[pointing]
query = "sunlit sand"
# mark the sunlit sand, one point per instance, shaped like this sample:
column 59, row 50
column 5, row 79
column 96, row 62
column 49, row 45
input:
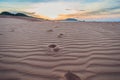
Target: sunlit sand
column 52, row 50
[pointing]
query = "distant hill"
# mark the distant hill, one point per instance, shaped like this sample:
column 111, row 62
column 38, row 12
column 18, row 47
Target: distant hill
column 6, row 13
column 21, row 14
column 11, row 14
column 70, row 19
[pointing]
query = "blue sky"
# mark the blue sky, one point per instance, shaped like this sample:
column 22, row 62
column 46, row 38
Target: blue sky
column 61, row 9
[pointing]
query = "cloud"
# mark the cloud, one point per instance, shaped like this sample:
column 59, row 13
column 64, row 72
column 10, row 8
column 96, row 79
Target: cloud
column 52, row 9
column 73, row 10
column 35, row 1
column 104, row 11
column 101, row 9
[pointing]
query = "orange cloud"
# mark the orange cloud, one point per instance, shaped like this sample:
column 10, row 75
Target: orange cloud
column 86, row 15
column 33, row 14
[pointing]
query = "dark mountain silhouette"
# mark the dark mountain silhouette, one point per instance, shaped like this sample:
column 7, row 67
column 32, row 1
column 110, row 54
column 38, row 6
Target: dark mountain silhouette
column 70, row 19
column 11, row 14
column 6, row 13
column 21, row 14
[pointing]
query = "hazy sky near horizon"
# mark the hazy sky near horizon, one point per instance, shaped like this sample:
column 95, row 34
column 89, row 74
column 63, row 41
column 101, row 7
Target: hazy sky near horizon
column 60, row 9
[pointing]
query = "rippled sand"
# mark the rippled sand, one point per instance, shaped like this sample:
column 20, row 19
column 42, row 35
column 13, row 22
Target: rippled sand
column 91, row 50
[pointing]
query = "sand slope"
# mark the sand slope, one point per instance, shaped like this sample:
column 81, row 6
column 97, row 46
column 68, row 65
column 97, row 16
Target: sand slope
column 90, row 50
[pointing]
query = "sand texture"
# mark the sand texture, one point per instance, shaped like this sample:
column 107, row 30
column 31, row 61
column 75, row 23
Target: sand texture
column 47, row 50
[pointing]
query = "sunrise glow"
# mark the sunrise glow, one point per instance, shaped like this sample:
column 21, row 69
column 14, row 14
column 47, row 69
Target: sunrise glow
column 62, row 9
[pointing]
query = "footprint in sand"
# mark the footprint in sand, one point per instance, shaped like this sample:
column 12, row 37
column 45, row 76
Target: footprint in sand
column 54, row 48
column 12, row 30
column 56, row 27
column 50, row 30
column 60, row 35
column 1, row 34
column 71, row 76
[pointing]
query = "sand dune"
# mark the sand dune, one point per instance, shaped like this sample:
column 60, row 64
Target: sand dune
column 91, row 50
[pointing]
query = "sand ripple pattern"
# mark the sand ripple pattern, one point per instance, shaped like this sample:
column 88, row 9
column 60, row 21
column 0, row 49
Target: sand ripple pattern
column 91, row 50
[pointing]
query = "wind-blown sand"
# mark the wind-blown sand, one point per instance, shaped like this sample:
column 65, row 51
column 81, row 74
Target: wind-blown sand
column 91, row 50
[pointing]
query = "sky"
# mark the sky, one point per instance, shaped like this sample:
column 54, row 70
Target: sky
column 89, row 10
